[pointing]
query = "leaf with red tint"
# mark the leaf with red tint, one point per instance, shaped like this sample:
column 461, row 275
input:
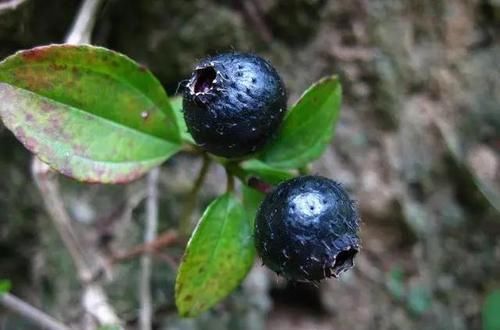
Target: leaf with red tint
column 90, row 113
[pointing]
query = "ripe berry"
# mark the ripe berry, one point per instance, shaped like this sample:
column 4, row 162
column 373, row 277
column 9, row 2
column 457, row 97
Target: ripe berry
column 307, row 229
column 233, row 104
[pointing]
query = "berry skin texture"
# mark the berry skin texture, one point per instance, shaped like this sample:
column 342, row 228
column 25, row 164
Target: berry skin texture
column 233, row 104
column 307, row 229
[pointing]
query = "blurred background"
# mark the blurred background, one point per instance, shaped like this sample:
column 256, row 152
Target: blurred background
column 418, row 145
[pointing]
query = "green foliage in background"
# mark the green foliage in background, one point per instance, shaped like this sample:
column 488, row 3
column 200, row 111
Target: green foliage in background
column 491, row 311
column 5, row 286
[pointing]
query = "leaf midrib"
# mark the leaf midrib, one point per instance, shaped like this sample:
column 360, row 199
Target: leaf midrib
column 126, row 83
column 93, row 116
column 311, row 118
column 217, row 244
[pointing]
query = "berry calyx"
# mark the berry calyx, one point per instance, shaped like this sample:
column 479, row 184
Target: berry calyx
column 233, row 104
column 307, row 229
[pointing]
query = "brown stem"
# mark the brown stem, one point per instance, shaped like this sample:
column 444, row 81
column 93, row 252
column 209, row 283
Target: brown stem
column 94, row 299
column 230, row 182
column 190, row 204
column 251, row 181
column 254, row 15
column 260, row 185
column 165, row 239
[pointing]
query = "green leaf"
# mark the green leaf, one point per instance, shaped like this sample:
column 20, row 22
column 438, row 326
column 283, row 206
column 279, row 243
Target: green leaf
column 395, row 283
column 90, row 113
column 5, row 286
column 419, row 300
column 491, row 311
column 176, row 103
column 217, row 258
column 252, row 200
column 308, row 128
column 262, row 170
column 110, row 327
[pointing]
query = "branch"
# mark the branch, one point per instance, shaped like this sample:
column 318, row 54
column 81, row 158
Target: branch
column 259, row 185
column 49, row 188
column 230, row 182
column 251, row 181
column 31, row 313
column 81, row 31
column 252, row 11
column 189, row 206
column 146, row 310
column 168, row 238
column 94, row 299
column 10, row 5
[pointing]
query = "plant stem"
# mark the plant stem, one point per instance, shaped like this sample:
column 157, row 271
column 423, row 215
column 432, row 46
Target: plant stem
column 305, row 170
column 30, row 312
column 185, row 222
column 94, row 299
column 81, row 31
column 10, row 5
column 146, row 310
column 258, row 184
column 165, row 239
column 251, row 181
column 230, row 182
column 49, row 188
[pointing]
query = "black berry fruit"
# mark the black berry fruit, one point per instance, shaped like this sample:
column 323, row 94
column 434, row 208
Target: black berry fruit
column 307, row 229
column 233, row 104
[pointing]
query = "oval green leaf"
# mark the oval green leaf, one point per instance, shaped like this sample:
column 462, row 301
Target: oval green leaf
column 254, row 167
column 90, row 113
column 218, row 256
column 308, row 128
column 5, row 286
column 490, row 312
column 252, row 199
column 176, row 103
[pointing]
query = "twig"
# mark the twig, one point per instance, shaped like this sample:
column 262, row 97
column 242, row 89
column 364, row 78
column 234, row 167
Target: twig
column 189, row 206
column 95, row 302
column 168, row 238
column 94, row 299
column 259, row 185
column 31, row 313
column 10, row 5
column 253, row 13
column 47, row 184
column 146, row 310
column 162, row 241
column 81, row 31
column 230, row 181
column 251, row 181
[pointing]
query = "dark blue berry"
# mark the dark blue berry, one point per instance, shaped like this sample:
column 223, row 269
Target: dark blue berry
column 241, row 94
column 307, row 229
